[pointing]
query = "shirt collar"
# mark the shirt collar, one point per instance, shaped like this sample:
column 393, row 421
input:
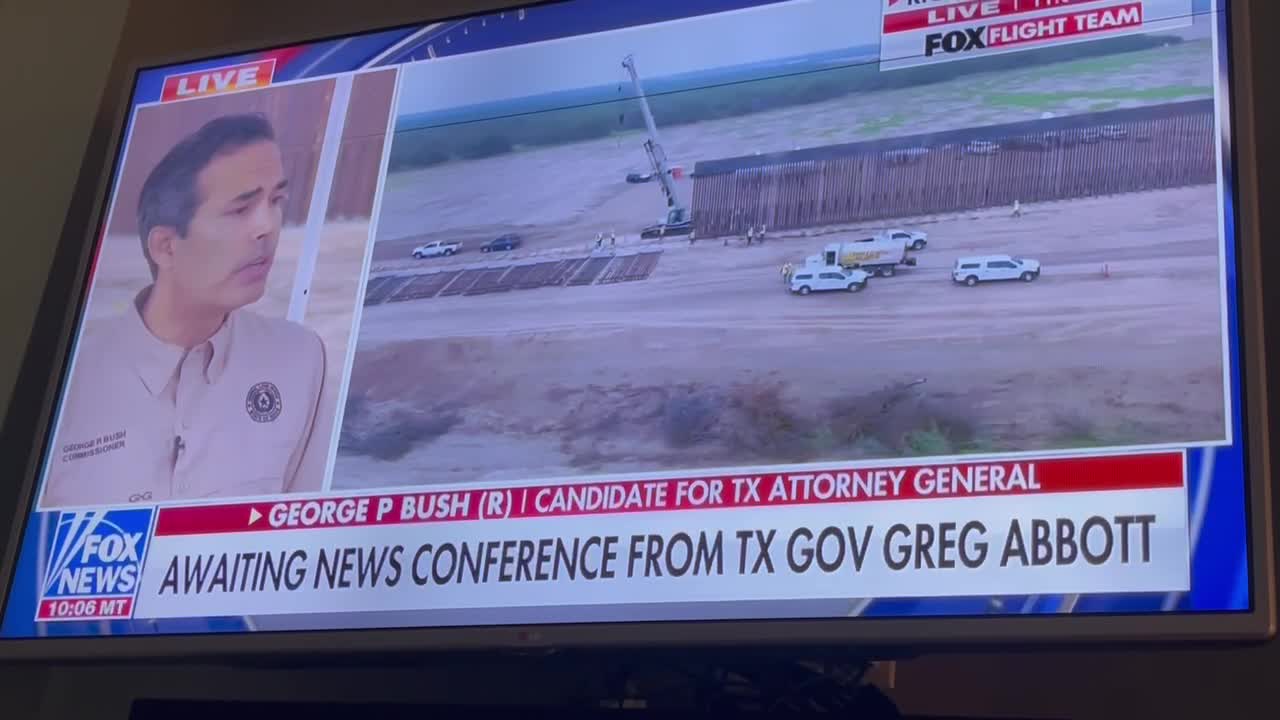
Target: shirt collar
column 220, row 345
column 156, row 360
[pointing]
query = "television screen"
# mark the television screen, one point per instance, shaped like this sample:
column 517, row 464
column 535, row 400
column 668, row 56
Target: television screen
column 684, row 310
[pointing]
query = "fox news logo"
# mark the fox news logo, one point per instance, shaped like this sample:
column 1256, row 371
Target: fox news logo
column 956, row 41
column 97, row 553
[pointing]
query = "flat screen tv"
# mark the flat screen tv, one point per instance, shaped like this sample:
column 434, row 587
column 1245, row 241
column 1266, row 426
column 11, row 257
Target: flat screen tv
column 685, row 322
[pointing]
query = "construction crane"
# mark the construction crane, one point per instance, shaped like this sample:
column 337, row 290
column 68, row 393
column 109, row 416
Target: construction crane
column 678, row 221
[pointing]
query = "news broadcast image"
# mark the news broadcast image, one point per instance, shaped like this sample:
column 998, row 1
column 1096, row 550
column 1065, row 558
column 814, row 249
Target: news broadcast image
column 714, row 309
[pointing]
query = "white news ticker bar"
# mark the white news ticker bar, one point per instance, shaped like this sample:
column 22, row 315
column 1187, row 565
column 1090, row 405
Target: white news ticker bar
column 1166, row 571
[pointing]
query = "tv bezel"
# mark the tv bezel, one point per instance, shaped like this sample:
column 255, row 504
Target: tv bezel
column 44, row 364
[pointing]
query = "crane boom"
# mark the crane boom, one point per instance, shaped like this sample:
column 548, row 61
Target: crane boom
column 676, row 211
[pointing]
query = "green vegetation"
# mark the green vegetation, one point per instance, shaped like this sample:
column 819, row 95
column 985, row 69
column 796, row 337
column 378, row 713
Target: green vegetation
column 880, row 125
column 929, row 441
column 1041, row 100
column 390, row 433
column 1080, row 432
column 1123, row 61
column 756, row 422
column 435, row 144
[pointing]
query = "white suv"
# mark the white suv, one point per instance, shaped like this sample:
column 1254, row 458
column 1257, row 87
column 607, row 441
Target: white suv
column 974, row 270
column 813, row 279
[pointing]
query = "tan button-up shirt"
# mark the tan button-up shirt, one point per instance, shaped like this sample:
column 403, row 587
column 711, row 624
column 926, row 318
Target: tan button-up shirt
column 146, row 421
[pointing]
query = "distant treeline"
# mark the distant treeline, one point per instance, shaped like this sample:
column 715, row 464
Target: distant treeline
column 423, row 147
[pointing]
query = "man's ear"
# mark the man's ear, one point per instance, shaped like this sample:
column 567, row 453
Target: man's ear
column 160, row 245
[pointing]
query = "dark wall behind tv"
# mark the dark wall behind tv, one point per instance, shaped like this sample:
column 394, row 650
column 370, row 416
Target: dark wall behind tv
column 54, row 61
column 54, row 56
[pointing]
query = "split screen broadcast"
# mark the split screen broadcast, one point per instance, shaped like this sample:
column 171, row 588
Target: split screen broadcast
column 927, row 299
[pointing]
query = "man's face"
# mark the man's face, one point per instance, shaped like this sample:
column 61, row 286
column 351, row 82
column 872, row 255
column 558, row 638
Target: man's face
column 227, row 253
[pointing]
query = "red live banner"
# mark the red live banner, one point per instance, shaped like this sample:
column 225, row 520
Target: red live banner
column 774, row 489
column 943, row 15
column 245, row 76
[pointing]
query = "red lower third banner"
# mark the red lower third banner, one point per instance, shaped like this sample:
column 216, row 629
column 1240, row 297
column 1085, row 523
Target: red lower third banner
column 1113, row 524
column 747, row 490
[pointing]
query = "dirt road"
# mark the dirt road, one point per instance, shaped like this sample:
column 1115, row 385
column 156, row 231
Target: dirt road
column 709, row 363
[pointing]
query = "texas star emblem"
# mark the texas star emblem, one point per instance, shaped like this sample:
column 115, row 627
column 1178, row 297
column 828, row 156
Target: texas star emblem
column 263, row 402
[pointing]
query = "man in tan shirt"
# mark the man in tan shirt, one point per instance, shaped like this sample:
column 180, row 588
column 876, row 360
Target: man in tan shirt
column 187, row 394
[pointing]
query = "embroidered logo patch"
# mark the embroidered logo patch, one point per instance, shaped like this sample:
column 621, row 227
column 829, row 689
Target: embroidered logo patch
column 263, row 402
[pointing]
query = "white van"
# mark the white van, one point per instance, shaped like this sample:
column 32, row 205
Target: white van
column 973, row 270
column 817, row 278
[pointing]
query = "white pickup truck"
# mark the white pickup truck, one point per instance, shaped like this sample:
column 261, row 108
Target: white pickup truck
column 914, row 239
column 816, row 278
column 436, row 248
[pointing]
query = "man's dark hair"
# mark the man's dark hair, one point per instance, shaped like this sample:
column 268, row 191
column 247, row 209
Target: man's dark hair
column 169, row 196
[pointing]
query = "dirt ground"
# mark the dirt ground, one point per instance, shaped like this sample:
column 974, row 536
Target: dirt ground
column 710, row 363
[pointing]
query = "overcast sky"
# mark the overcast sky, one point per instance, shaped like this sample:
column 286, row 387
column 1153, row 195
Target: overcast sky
column 723, row 40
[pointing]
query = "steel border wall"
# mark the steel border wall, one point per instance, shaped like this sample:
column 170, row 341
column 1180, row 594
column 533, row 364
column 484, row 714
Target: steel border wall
column 1163, row 146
